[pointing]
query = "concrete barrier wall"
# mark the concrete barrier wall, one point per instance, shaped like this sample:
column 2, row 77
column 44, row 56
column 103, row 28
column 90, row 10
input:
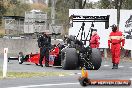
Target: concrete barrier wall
column 24, row 45
column 16, row 45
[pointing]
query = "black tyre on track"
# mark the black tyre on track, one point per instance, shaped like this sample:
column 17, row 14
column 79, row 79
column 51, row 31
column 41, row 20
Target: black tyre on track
column 95, row 59
column 69, row 59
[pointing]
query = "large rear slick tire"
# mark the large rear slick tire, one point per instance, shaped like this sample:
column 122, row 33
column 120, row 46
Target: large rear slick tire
column 69, row 59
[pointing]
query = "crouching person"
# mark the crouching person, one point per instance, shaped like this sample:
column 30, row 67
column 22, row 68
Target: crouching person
column 21, row 58
column 54, row 53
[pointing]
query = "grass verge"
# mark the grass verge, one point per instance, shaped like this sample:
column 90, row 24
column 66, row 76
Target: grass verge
column 32, row 74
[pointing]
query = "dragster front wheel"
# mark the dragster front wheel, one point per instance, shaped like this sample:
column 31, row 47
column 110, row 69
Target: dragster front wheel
column 69, row 59
column 95, row 59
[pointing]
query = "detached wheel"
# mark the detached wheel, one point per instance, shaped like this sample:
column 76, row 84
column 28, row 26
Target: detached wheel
column 69, row 59
column 95, row 59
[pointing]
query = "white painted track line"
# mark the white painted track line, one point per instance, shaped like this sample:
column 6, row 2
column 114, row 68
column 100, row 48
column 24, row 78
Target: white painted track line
column 46, row 85
column 120, row 66
column 106, row 65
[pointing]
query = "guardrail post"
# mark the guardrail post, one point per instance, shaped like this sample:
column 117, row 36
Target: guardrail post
column 5, row 63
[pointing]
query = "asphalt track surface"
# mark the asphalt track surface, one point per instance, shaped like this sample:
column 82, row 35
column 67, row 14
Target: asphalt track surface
column 69, row 81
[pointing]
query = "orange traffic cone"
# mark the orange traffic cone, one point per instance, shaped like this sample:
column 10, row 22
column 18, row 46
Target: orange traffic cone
column 84, row 73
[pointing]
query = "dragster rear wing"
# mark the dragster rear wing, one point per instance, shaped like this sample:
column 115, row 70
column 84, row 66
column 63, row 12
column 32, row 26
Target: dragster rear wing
column 79, row 18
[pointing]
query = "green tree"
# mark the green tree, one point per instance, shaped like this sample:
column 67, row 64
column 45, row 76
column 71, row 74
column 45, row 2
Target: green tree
column 62, row 10
column 22, row 8
column 2, row 8
column 126, row 4
column 104, row 4
column 63, row 6
column 15, row 8
column 90, row 5
column 2, row 11
column 81, row 4
column 39, row 6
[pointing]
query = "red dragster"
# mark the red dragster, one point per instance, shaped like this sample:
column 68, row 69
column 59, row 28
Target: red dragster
column 34, row 58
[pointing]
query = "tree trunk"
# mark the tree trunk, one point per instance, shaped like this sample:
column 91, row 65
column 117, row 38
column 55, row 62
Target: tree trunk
column 80, row 4
column 84, row 4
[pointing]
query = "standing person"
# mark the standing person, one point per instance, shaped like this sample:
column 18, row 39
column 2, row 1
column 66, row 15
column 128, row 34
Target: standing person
column 94, row 41
column 114, row 43
column 44, row 42
column 48, row 47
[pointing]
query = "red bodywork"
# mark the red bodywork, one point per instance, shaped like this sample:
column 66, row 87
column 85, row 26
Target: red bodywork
column 34, row 58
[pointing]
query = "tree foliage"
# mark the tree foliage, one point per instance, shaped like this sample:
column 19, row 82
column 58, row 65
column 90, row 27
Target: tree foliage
column 63, row 6
column 39, row 6
column 126, row 4
column 105, row 4
column 16, row 8
column 2, row 8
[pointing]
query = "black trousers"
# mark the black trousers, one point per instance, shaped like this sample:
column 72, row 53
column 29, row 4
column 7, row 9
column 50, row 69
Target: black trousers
column 44, row 51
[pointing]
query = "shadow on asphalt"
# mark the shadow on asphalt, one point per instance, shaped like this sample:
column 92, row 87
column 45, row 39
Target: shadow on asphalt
column 28, row 64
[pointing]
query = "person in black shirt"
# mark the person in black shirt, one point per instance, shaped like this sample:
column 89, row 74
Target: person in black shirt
column 44, row 43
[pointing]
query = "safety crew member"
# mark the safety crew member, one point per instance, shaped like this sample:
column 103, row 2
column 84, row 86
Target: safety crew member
column 44, row 42
column 94, row 41
column 115, row 42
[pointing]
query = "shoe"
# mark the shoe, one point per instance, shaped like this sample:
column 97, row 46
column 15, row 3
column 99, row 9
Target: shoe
column 113, row 66
column 40, row 65
column 116, row 66
column 20, row 62
column 46, row 65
